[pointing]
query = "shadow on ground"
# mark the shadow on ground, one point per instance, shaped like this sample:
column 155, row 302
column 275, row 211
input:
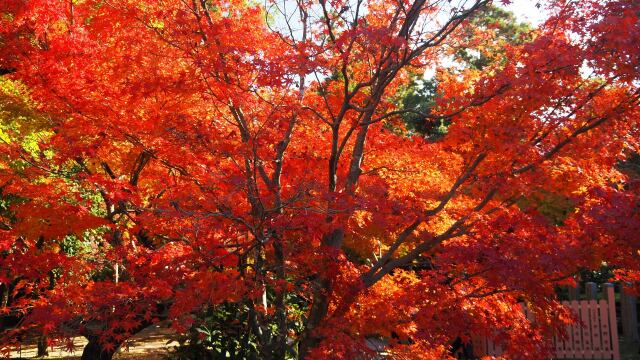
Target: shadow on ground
column 149, row 344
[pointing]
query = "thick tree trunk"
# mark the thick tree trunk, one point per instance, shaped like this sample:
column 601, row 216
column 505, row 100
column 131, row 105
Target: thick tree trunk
column 42, row 347
column 280, row 340
column 320, row 306
column 4, row 295
column 94, row 351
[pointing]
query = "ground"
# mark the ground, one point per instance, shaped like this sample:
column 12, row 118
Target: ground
column 149, row 344
column 154, row 342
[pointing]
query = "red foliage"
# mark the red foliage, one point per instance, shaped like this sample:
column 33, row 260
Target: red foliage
column 199, row 156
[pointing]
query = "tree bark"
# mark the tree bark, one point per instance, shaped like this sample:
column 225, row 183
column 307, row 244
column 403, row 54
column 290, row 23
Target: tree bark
column 4, row 295
column 280, row 341
column 320, row 306
column 95, row 351
column 42, row 347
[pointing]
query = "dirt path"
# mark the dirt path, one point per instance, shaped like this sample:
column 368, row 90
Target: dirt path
column 149, row 344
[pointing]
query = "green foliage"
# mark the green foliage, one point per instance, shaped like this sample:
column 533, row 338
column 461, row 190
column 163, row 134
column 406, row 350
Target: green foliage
column 421, row 94
column 504, row 28
column 220, row 332
column 555, row 207
column 600, row 276
column 21, row 124
column 227, row 331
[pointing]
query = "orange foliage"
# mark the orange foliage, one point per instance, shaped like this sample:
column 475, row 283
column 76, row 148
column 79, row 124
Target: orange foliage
column 206, row 155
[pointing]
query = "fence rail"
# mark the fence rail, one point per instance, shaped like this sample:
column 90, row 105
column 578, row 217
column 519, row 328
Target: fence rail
column 595, row 336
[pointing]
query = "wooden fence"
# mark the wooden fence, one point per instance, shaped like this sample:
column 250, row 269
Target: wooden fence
column 629, row 317
column 595, row 337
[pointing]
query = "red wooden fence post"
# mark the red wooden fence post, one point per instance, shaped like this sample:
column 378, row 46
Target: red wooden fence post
column 611, row 302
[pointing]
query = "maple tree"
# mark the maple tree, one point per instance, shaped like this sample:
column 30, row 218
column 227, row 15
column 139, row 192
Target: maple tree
column 161, row 158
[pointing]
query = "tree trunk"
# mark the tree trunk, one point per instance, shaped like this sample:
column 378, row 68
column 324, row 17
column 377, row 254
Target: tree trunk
column 94, row 350
column 42, row 347
column 280, row 340
column 320, row 306
column 4, row 295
